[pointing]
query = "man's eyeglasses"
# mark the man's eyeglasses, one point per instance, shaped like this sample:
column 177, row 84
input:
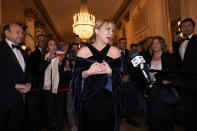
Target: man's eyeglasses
column 41, row 40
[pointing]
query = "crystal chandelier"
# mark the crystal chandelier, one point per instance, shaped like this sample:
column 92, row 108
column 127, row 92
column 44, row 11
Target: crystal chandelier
column 83, row 22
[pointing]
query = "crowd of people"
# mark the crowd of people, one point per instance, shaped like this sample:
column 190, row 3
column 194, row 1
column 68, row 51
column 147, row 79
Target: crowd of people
column 93, row 85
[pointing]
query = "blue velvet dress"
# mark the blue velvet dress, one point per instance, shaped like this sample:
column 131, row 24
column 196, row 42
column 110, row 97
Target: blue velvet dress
column 97, row 98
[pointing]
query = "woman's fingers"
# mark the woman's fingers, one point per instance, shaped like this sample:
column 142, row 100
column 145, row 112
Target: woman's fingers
column 100, row 68
column 166, row 82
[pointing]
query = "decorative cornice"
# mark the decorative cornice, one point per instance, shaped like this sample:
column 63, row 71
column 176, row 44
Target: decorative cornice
column 39, row 5
column 121, row 10
column 38, row 23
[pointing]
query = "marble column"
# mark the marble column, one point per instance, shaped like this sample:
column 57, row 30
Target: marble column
column 30, row 32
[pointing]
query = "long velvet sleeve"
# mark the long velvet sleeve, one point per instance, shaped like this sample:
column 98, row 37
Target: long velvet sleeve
column 76, row 86
column 76, row 80
column 117, row 84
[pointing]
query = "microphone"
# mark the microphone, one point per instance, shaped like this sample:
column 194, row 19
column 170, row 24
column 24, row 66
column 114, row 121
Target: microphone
column 138, row 61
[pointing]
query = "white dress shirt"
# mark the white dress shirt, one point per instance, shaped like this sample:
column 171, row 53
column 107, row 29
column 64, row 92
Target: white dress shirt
column 184, row 45
column 18, row 54
column 156, row 65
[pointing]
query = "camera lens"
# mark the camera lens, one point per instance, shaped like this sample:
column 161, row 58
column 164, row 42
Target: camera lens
column 178, row 32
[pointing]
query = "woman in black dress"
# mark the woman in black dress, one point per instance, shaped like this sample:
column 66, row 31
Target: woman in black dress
column 161, row 106
column 96, row 82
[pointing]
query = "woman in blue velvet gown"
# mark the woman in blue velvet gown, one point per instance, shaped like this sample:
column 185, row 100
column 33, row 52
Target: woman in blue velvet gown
column 97, row 81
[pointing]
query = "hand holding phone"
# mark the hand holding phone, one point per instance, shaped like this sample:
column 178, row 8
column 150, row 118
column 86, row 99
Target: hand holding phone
column 59, row 52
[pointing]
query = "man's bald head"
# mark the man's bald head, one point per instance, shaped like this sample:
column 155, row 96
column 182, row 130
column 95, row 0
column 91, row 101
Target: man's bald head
column 14, row 33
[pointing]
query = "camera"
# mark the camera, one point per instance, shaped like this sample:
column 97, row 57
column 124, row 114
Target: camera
column 178, row 32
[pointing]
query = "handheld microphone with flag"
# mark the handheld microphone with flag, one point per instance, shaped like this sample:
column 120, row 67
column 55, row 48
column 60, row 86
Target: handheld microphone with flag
column 138, row 61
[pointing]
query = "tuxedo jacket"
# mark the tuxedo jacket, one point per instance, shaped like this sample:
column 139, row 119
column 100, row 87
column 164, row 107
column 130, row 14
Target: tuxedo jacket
column 188, row 66
column 127, row 65
column 11, row 74
column 35, row 67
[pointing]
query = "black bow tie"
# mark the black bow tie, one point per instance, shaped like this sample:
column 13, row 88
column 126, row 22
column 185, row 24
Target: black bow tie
column 122, row 53
column 15, row 46
column 187, row 38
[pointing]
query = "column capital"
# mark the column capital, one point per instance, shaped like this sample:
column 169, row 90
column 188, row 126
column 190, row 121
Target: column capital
column 29, row 13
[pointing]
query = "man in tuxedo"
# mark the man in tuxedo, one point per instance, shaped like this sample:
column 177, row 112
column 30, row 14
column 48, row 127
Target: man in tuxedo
column 128, row 91
column 14, row 79
column 36, row 94
column 186, row 50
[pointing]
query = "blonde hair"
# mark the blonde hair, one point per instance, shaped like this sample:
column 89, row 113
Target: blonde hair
column 99, row 24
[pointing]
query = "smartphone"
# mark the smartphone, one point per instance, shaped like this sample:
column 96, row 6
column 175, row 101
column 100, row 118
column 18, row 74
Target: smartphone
column 59, row 52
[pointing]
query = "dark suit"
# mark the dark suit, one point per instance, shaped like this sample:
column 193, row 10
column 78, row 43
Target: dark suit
column 188, row 68
column 128, row 90
column 35, row 62
column 35, row 104
column 11, row 100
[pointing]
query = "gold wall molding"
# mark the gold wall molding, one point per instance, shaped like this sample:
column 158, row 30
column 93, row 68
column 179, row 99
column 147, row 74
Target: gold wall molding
column 121, row 9
column 127, row 16
column 141, row 20
column 43, row 12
